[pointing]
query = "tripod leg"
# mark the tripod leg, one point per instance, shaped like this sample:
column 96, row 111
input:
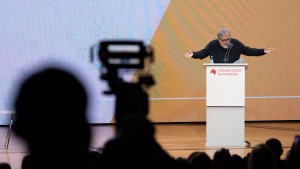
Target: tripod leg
column 8, row 132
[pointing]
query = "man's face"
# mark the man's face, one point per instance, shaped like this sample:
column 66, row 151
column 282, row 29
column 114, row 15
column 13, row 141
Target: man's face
column 224, row 40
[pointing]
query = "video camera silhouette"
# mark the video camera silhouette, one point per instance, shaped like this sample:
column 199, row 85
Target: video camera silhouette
column 131, row 97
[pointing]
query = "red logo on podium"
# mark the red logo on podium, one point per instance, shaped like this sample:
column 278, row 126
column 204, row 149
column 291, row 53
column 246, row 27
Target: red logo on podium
column 213, row 71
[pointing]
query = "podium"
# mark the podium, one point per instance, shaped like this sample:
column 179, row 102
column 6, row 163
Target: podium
column 225, row 104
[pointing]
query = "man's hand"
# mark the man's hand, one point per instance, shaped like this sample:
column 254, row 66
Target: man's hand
column 188, row 53
column 269, row 50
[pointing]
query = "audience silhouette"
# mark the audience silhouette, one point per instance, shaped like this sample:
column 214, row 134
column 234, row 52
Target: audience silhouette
column 50, row 116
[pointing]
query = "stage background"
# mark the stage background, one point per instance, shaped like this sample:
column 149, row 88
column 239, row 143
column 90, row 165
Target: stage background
column 35, row 33
column 272, row 81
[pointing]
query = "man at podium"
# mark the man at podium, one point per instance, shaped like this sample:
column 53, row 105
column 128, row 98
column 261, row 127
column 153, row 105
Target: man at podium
column 225, row 49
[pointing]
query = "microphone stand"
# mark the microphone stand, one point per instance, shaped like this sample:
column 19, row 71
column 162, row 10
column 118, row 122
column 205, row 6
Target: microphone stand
column 227, row 52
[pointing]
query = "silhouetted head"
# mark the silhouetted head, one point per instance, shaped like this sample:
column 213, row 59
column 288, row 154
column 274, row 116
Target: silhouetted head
column 200, row 160
column 50, row 113
column 4, row 165
column 293, row 155
column 261, row 157
column 275, row 146
column 222, row 158
column 237, row 162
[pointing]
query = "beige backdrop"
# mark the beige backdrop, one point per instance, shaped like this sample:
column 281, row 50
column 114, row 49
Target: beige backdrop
column 272, row 81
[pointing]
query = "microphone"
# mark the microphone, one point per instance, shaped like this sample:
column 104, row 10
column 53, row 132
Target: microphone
column 229, row 46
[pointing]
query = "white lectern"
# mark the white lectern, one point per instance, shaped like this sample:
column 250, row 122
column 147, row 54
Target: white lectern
column 225, row 104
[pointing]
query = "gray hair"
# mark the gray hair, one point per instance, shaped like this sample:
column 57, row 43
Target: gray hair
column 223, row 31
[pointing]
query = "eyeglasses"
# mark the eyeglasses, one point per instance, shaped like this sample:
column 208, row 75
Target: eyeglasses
column 225, row 40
